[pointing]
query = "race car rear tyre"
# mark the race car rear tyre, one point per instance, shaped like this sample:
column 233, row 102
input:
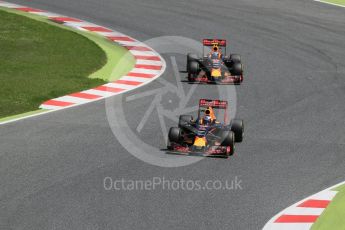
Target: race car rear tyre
column 184, row 120
column 191, row 57
column 238, row 82
column 228, row 139
column 174, row 135
column 235, row 58
column 193, row 67
column 237, row 127
column 191, row 78
column 237, row 69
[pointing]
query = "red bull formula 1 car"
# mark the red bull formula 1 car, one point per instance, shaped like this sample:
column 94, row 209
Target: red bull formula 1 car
column 215, row 67
column 206, row 135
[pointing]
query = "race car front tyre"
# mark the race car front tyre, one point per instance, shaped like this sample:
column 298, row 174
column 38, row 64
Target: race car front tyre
column 174, row 135
column 193, row 67
column 237, row 69
column 237, row 127
column 184, row 120
column 228, row 140
column 235, row 58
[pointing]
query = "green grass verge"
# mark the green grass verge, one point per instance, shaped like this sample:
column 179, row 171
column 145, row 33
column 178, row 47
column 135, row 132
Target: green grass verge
column 339, row 2
column 119, row 60
column 47, row 60
column 333, row 216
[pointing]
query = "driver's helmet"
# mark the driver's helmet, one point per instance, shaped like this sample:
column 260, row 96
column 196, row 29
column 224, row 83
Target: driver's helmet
column 206, row 120
column 214, row 55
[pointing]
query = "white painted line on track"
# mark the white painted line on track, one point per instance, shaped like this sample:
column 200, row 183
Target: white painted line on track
column 143, row 53
column 139, row 79
column 72, row 99
column 127, row 43
column 324, row 195
column 75, row 27
column 99, row 92
column 148, row 62
column 120, row 86
column 80, row 24
column 112, row 34
column 10, row 5
column 303, row 211
column 146, row 71
column 291, row 226
column 330, row 3
column 48, row 14
column 50, row 107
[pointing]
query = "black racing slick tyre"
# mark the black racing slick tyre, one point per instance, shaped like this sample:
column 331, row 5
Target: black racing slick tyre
column 191, row 78
column 193, row 67
column 237, row 127
column 237, row 69
column 174, row 135
column 228, row 139
column 184, row 120
column 191, row 57
column 235, row 58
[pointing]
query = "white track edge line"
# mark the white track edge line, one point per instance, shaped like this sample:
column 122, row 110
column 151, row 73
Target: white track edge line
column 329, row 3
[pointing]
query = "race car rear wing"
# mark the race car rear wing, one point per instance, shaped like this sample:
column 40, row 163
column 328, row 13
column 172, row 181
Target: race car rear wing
column 212, row 42
column 218, row 104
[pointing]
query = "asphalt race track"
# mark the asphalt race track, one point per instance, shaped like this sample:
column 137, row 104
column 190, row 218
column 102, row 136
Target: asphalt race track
column 292, row 100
